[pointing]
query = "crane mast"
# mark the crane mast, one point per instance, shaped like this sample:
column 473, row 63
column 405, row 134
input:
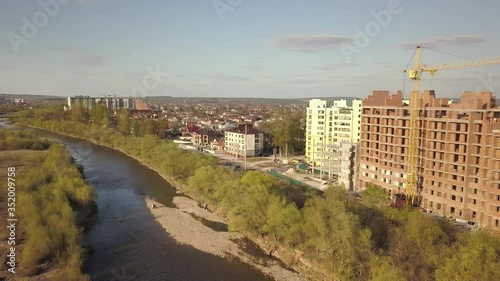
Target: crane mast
column 413, row 148
column 413, row 183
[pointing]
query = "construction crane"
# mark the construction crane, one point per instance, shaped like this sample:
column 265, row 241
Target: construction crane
column 413, row 185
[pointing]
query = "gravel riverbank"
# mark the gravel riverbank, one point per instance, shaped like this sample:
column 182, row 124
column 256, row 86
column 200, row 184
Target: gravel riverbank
column 190, row 224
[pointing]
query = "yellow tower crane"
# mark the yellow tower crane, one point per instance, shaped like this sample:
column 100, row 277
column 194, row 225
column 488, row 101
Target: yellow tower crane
column 412, row 183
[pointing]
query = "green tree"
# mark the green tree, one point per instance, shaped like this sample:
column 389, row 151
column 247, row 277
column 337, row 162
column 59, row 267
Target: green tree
column 477, row 258
column 134, row 128
column 100, row 115
column 383, row 269
column 375, row 196
column 287, row 131
column 150, row 127
column 284, row 221
column 124, row 121
column 79, row 114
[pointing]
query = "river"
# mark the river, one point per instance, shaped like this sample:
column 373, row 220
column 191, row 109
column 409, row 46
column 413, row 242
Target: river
column 128, row 243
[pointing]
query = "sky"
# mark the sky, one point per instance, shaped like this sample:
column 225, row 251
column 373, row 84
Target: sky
column 243, row 48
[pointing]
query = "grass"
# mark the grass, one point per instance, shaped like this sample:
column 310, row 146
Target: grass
column 23, row 160
column 257, row 159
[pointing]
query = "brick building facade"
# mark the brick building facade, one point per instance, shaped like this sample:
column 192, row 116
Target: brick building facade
column 459, row 171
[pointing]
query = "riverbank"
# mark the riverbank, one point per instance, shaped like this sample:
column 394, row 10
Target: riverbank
column 236, row 242
column 188, row 223
column 39, row 255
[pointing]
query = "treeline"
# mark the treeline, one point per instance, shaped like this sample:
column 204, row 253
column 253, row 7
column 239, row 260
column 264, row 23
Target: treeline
column 346, row 238
column 100, row 117
column 50, row 201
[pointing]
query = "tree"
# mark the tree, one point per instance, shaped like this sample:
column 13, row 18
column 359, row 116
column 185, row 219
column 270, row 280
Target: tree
column 476, row 259
column 375, row 196
column 134, row 128
column 284, row 221
column 287, row 131
column 99, row 114
column 148, row 127
column 383, row 269
column 79, row 114
column 124, row 121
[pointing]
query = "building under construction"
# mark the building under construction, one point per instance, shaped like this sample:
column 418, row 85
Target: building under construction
column 458, row 170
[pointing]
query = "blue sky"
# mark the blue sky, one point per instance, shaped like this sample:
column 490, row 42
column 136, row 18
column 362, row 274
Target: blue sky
column 242, row 48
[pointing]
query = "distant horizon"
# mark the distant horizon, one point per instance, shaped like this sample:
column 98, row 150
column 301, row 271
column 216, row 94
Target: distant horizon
column 202, row 97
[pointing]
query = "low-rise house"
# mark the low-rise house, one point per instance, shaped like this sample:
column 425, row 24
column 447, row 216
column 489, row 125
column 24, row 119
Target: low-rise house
column 243, row 141
column 204, row 137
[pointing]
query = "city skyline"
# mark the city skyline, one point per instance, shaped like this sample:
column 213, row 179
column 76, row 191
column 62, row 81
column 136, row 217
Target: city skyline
column 238, row 48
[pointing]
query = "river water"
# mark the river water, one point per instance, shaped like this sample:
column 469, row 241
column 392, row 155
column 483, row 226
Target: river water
column 128, row 243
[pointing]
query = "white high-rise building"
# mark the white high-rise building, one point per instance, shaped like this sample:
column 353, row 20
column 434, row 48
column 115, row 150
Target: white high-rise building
column 329, row 126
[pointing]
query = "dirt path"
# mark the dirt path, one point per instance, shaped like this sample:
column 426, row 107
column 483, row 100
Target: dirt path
column 192, row 225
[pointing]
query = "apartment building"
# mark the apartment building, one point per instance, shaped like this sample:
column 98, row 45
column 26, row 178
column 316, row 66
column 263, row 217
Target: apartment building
column 112, row 103
column 459, row 152
column 244, row 140
column 332, row 132
column 204, row 137
column 86, row 102
column 116, row 104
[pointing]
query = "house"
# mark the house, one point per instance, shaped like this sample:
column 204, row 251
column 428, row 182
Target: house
column 217, row 145
column 203, row 137
column 243, row 141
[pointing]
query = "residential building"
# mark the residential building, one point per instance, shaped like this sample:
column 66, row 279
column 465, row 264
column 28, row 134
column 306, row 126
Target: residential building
column 244, row 140
column 86, row 102
column 348, row 165
column 112, row 103
column 116, row 103
column 459, row 152
column 332, row 134
column 204, row 137
column 331, row 125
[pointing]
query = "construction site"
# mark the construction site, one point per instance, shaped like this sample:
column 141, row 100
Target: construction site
column 458, row 153
column 432, row 153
